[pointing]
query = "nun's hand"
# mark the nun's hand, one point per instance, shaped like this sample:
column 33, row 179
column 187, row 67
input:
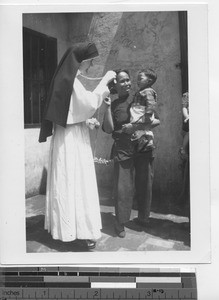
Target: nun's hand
column 92, row 123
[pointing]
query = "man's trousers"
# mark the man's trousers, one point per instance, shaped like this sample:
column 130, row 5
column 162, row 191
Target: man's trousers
column 133, row 178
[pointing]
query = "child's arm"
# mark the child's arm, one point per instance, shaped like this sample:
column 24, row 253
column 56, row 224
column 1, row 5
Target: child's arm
column 107, row 126
column 154, row 123
column 131, row 128
column 185, row 106
column 150, row 99
column 185, row 114
column 148, row 126
column 151, row 115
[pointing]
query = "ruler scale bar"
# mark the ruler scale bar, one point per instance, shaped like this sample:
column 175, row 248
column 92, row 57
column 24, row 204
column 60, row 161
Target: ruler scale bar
column 159, row 285
column 158, row 279
column 100, row 294
column 66, row 279
column 37, row 283
column 113, row 285
column 129, row 271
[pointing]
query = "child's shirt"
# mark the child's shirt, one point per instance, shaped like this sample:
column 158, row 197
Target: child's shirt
column 145, row 101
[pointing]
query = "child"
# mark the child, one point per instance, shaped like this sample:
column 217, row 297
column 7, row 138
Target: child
column 184, row 151
column 143, row 109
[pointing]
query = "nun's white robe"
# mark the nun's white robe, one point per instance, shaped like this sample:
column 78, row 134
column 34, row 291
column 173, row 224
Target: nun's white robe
column 72, row 201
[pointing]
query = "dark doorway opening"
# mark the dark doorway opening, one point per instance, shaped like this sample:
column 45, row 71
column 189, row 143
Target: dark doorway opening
column 39, row 64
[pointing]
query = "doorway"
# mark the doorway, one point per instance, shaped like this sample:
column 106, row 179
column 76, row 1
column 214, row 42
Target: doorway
column 39, row 64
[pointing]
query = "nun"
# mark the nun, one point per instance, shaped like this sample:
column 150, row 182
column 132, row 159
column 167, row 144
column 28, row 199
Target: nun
column 72, row 201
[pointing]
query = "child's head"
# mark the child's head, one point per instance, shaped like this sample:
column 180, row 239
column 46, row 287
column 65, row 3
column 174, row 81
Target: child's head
column 146, row 78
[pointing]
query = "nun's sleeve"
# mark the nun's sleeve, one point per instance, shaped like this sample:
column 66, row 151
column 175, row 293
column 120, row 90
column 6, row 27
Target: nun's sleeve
column 84, row 103
column 101, row 91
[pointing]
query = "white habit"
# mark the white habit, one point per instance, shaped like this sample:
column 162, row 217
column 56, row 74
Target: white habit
column 72, row 201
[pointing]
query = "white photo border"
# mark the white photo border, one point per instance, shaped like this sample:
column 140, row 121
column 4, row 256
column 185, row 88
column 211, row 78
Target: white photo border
column 13, row 226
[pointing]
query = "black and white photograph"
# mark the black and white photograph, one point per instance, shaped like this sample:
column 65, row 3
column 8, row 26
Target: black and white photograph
column 108, row 154
column 111, row 88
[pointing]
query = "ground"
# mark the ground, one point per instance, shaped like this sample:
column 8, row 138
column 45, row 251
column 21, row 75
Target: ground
column 165, row 232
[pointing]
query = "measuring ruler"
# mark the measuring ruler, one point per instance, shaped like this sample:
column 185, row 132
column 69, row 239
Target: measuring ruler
column 96, row 283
